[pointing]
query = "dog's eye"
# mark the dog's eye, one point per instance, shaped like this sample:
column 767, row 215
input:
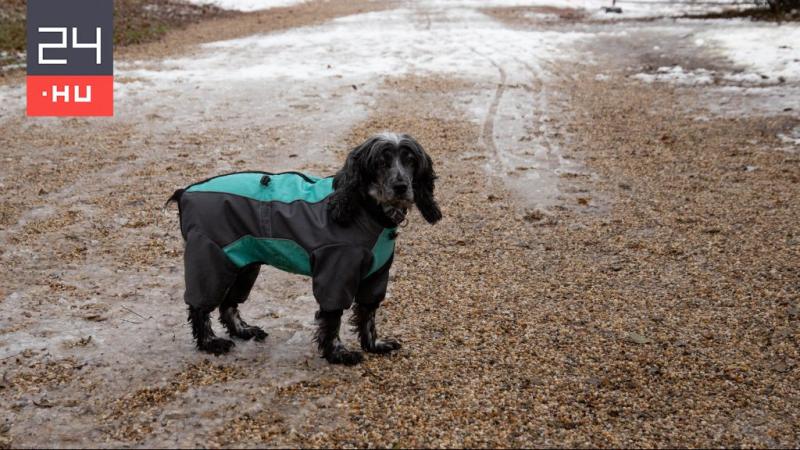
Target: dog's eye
column 408, row 159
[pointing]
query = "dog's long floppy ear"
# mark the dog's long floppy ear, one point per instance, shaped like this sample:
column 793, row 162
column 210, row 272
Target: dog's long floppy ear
column 347, row 184
column 423, row 184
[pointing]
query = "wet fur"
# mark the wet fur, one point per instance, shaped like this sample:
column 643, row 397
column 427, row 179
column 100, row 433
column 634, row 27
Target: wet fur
column 363, row 322
column 386, row 171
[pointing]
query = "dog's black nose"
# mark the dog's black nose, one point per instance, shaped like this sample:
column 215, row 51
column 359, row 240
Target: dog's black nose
column 400, row 188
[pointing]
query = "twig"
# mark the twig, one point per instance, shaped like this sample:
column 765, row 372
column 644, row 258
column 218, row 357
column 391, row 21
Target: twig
column 128, row 309
column 43, row 403
column 11, row 356
column 130, row 321
column 371, row 373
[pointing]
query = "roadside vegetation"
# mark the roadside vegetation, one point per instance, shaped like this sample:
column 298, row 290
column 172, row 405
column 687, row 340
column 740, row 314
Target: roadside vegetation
column 766, row 10
column 135, row 22
column 785, row 6
column 12, row 32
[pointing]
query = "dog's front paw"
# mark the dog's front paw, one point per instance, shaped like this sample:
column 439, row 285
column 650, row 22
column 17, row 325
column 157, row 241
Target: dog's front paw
column 341, row 355
column 383, row 346
column 217, row 346
column 252, row 332
column 258, row 334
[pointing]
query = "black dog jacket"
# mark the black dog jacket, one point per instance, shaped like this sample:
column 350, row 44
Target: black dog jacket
column 235, row 221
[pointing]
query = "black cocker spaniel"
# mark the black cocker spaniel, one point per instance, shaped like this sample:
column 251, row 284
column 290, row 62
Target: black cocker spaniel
column 339, row 230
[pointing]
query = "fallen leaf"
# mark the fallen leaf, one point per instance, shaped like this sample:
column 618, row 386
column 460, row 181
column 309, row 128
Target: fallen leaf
column 43, row 403
column 95, row 318
column 638, row 338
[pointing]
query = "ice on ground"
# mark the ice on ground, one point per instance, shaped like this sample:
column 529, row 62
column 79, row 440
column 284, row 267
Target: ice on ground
column 12, row 100
column 680, row 76
column 273, row 73
column 587, row 4
column 544, row 17
column 344, row 62
column 247, row 5
column 630, row 8
column 792, row 137
column 677, row 75
column 772, row 50
column 363, row 46
column 666, row 8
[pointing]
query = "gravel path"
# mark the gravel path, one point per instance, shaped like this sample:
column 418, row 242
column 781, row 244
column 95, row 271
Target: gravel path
column 643, row 291
column 670, row 320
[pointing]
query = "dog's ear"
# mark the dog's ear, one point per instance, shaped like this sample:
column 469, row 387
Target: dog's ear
column 347, row 184
column 423, row 186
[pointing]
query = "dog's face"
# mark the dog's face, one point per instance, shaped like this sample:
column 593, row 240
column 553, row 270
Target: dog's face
column 393, row 176
column 393, row 170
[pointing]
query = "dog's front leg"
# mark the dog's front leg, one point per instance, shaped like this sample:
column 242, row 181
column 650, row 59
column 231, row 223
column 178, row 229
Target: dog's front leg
column 363, row 322
column 204, row 335
column 327, row 339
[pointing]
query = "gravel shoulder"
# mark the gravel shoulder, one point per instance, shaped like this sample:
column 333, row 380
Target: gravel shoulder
column 669, row 320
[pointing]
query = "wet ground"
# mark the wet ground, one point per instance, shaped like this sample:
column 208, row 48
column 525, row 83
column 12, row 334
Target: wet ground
column 616, row 266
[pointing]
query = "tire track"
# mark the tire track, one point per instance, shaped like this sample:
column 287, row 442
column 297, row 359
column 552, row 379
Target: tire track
column 487, row 128
column 543, row 159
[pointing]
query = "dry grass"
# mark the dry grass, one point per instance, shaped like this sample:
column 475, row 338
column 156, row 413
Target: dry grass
column 239, row 25
column 135, row 22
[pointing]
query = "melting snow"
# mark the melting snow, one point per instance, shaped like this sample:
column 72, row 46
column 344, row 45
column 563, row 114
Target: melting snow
column 773, row 50
column 247, row 5
column 386, row 43
column 677, row 75
column 663, row 8
column 680, row 76
column 792, row 137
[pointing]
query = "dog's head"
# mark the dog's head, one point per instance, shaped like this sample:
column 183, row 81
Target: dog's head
column 391, row 169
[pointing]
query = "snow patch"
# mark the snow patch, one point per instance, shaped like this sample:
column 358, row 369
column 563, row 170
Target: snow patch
column 792, row 137
column 247, row 5
column 363, row 46
column 541, row 16
column 637, row 9
column 662, row 8
column 680, row 76
column 773, row 50
column 577, row 4
column 12, row 99
column 677, row 75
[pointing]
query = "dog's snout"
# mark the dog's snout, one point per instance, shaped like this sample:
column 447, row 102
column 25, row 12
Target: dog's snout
column 400, row 188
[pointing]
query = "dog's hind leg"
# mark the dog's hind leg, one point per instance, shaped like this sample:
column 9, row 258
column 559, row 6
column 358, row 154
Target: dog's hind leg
column 229, row 310
column 209, row 275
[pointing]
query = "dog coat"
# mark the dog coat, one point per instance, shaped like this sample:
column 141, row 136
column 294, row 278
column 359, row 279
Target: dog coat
column 232, row 222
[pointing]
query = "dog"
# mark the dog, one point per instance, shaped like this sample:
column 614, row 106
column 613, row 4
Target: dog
column 338, row 230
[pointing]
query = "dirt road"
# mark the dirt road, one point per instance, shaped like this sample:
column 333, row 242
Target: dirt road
column 617, row 265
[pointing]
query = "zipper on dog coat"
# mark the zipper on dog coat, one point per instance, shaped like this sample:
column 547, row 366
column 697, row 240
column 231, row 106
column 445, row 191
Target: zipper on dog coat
column 237, row 220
